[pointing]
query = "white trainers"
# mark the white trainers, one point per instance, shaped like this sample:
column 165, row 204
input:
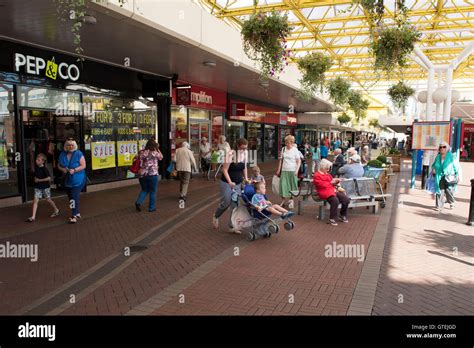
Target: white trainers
column 215, row 222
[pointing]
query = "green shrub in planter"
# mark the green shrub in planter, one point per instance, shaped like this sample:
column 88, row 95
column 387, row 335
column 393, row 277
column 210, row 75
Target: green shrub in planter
column 375, row 164
column 382, row 159
column 394, row 151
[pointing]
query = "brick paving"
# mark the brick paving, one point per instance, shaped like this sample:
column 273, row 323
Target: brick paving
column 187, row 261
column 422, row 272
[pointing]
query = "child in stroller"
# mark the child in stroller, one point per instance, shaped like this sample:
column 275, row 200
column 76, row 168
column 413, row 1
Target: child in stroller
column 260, row 210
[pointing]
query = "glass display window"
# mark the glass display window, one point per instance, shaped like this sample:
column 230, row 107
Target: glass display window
column 8, row 147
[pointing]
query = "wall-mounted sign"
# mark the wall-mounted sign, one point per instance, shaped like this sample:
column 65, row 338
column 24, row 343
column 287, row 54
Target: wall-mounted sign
column 428, row 135
column 38, row 66
column 103, row 155
column 200, row 97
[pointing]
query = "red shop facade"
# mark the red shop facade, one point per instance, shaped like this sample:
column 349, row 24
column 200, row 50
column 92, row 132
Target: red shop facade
column 264, row 127
column 196, row 112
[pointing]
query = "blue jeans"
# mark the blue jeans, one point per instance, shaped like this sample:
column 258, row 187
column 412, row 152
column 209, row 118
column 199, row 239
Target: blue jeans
column 73, row 193
column 148, row 185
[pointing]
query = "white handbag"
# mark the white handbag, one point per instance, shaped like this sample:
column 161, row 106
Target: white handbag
column 276, row 184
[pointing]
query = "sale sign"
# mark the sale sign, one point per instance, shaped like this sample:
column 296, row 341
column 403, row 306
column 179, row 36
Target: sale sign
column 103, row 155
column 126, row 150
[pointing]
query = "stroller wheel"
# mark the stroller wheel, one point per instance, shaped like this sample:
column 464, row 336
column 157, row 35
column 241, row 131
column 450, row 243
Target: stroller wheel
column 268, row 235
column 289, row 225
column 251, row 236
column 273, row 229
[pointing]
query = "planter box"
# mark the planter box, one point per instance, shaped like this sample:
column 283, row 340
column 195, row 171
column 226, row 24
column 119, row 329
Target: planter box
column 396, row 168
column 395, row 159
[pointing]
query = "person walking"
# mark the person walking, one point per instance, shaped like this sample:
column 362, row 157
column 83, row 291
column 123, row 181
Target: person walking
column 326, row 188
column 205, row 155
column 446, row 171
column 234, row 171
column 148, row 174
column 184, row 164
column 73, row 164
column 288, row 168
column 316, row 157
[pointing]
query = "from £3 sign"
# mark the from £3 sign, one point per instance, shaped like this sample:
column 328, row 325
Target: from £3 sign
column 126, row 150
column 103, row 155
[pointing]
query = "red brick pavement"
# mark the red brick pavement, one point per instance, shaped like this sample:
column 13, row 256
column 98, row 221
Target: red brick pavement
column 421, row 267
column 109, row 224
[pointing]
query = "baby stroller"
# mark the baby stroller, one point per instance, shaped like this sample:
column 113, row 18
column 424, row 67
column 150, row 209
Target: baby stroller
column 258, row 223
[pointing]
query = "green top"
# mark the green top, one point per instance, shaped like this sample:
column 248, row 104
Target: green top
column 450, row 166
column 215, row 157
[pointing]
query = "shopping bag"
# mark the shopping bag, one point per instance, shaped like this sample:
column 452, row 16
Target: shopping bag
column 135, row 165
column 241, row 218
column 276, row 184
column 430, row 184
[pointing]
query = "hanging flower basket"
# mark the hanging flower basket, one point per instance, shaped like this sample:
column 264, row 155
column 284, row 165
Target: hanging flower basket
column 344, row 118
column 339, row 91
column 358, row 105
column 264, row 41
column 399, row 94
column 313, row 66
column 393, row 47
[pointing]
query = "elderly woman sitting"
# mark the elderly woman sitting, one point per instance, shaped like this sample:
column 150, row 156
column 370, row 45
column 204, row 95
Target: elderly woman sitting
column 326, row 187
column 353, row 169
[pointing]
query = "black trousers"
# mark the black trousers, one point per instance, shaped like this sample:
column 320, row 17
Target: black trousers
column 334, row 203
column 445, row 190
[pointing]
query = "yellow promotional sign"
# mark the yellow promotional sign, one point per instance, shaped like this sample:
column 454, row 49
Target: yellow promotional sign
column 126, row 150
column 103, row 155
column 51, row 69
column 142, row 144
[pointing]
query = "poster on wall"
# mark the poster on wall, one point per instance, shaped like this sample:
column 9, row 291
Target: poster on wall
column 142, row 144
column 428, row 135
column 4, row 173
column 126, row 151
column 103, row 155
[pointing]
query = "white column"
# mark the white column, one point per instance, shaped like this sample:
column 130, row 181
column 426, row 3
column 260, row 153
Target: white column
column 438, row 105
column 429, row 98
column 447, row 102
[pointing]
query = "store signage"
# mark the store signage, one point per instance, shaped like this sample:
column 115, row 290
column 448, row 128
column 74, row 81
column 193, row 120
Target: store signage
column 469, row 127
column 103, row 155
column 200, row 97
column 51, row 69
column 126, row 150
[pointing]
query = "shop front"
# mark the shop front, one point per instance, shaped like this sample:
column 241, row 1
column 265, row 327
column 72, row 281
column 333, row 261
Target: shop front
column 47, row 98
column 196, row 112
column 265, row 128
column 468, row 142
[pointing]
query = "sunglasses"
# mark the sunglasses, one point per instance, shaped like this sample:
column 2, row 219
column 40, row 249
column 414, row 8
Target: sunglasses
column 442, row 147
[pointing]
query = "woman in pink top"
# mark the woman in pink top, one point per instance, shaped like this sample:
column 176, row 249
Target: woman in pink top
column 148, row 174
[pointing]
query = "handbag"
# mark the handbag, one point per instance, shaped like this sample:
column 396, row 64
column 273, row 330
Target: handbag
column 135, row 165
column 276, row 184
column 451, row 179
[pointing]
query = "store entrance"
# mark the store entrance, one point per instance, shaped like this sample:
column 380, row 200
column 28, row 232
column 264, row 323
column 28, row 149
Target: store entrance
column 197, row 130
column 45, row 132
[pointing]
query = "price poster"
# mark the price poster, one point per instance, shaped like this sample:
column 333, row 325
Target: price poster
column 103, row 155
column 142, row 144
column 428, row 135
column 126, row 150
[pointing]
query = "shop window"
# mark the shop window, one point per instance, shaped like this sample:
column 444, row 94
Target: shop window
column 8, row 168
column 179, row 127
column 198, row 114
column 63, row 102
column 217, row 121
column 114, row 131
column 235, row 131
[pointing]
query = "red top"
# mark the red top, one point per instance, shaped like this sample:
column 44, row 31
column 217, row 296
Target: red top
column 322, row 183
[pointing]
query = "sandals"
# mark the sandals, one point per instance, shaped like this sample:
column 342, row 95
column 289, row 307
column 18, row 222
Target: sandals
column 56, row 213
column 74, row 219
column 30, row 219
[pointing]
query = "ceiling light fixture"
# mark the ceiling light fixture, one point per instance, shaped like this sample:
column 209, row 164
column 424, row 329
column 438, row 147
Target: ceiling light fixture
column 209, row 64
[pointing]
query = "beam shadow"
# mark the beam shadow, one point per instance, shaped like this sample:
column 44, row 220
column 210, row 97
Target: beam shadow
column 450, row 257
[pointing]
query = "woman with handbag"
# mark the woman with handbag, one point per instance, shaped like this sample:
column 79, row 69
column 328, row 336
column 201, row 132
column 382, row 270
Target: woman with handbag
column 148, row 174
column 446, row 176
column 73, row 164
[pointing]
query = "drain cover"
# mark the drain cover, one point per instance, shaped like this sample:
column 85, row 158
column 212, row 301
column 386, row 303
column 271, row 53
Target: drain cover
column 138, row 248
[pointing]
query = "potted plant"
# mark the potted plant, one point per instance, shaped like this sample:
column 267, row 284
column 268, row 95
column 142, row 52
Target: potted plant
column 264, row 41
column 399, row 95
column 344, row 118
column 395, row 155
column 374, row 164
column 313, row 67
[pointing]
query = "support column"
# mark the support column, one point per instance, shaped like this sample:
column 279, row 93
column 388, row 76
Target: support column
column 429, row 98
column 163, row 106
column 447, row 102
column 438, row 105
